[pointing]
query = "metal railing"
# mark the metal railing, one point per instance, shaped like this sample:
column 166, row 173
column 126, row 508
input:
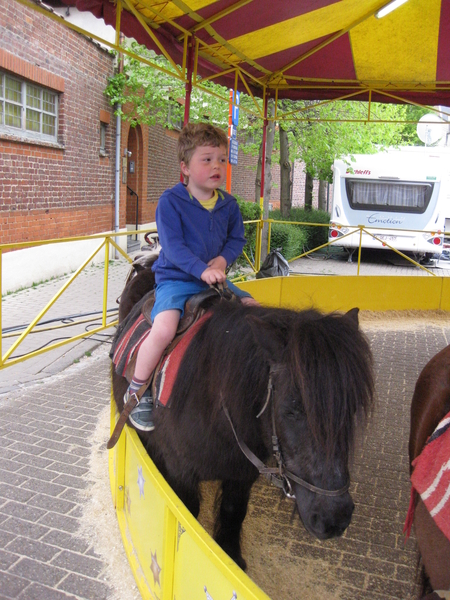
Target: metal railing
column 256, row 264
column 107, row 241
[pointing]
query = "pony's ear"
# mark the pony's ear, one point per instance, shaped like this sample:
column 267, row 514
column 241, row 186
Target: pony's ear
column 268, row 337
column 352, row 314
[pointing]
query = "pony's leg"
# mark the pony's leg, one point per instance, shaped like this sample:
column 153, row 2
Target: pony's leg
column 188, row 494
column 233, row 508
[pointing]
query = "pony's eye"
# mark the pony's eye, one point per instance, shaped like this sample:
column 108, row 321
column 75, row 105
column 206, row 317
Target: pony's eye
column 294, row 411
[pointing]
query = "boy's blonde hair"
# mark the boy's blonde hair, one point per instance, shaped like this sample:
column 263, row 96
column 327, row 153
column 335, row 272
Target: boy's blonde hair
column 194, row 135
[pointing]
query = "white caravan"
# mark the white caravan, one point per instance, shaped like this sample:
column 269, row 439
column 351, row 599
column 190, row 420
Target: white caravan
column 401, row 196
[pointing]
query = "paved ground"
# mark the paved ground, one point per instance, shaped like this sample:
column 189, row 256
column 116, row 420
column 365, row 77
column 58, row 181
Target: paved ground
column 51, row 410
column 374, row 262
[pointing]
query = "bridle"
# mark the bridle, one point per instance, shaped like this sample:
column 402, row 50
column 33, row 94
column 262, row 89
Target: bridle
column 279, row 476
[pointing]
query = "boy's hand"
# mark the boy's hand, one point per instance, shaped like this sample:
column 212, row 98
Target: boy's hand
column 213, row 275
column 218, row 263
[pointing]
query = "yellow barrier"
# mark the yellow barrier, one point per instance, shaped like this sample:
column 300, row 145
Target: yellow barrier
column 105, row 241
column 331, row 293
column 170, row 554
column 360, row 228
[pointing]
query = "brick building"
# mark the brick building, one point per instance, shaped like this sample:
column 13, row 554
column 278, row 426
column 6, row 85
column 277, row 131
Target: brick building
column 54, row 179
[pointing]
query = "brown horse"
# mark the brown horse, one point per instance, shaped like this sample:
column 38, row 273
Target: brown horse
column 430, row 403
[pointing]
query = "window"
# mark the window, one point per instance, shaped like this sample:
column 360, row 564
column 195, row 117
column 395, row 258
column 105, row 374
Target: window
column 390, row 196
column 27, row 110
column 102, row 139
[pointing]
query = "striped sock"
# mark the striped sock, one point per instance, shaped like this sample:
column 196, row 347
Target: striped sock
column 136, row 384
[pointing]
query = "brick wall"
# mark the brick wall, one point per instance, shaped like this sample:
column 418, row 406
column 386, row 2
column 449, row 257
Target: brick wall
column 62, row 189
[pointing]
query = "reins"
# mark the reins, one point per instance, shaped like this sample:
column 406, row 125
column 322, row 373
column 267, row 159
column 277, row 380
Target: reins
column 279, row 476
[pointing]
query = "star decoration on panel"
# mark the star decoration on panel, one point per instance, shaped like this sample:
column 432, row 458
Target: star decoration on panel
column 141, row 482
column 155, row 569
column 209, row 597
column 181, row 530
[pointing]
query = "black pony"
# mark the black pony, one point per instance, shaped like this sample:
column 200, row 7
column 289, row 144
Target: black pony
column 302, row 376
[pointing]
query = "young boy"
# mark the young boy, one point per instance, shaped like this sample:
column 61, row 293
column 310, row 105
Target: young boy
column 201, row 232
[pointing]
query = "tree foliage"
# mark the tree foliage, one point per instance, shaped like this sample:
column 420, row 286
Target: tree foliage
column 146, row 95
column 326, row 131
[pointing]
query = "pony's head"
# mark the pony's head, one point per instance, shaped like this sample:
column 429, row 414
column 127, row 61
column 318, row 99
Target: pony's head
column 323, row 384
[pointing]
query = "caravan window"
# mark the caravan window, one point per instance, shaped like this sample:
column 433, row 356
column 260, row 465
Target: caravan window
column 388, row 195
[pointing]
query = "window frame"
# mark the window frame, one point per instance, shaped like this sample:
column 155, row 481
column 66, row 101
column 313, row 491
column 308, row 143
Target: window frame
column 22, row 131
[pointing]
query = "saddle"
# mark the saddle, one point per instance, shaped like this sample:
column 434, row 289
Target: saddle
column 194, row 309
column 135, row 329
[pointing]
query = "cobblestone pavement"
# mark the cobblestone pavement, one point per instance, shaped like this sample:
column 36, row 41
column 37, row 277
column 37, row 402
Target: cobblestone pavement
column 46, row 440
column 371, row 560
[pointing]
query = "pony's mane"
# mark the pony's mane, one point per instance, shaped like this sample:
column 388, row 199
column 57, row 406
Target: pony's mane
column 328, row 362
column 331, row 365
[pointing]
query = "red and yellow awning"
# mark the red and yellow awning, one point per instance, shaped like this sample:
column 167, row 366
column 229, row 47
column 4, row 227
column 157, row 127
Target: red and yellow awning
column 300, row 49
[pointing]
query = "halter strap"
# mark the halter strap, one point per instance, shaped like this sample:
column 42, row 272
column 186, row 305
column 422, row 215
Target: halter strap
column 278, row 476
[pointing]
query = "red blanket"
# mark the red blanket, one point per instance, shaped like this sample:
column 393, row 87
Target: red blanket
column 431, row 478
column 169, row 369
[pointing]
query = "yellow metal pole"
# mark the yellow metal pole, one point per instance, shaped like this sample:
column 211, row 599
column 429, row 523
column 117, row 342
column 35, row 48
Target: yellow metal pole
column 259, row 228
column 249, row 262
column 361, row 227
column 119, row 249
column 105, row 283
column 118, row 17
column 269, row 234
column 80, row 336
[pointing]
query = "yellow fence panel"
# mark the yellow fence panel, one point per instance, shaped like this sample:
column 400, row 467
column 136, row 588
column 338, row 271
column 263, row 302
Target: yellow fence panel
column 172, row 557
column 330, row 293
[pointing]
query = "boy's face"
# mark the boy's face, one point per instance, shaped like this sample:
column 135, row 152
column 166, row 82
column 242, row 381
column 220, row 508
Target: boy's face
column 207, row 170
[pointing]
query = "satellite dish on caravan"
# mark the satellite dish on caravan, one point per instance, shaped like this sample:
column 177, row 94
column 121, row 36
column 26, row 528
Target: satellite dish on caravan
column 431, row 129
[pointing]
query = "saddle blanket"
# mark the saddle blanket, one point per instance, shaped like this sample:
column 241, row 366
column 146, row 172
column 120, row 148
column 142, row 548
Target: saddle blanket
column 165, row 377
column 129, row 343
column 431, row 478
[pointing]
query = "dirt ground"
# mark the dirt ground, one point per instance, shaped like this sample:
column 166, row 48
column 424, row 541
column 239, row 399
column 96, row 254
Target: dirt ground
column 371, row 560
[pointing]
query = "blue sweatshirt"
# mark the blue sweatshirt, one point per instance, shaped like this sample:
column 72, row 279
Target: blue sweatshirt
column 191, row 236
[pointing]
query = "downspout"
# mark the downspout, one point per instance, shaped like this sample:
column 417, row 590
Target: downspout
column 119, row 41
column 117, row 181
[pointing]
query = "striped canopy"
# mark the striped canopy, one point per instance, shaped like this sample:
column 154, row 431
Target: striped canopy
column 299, row 49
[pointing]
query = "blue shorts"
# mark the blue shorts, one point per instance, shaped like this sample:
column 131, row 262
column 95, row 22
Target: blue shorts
column 173, row 294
